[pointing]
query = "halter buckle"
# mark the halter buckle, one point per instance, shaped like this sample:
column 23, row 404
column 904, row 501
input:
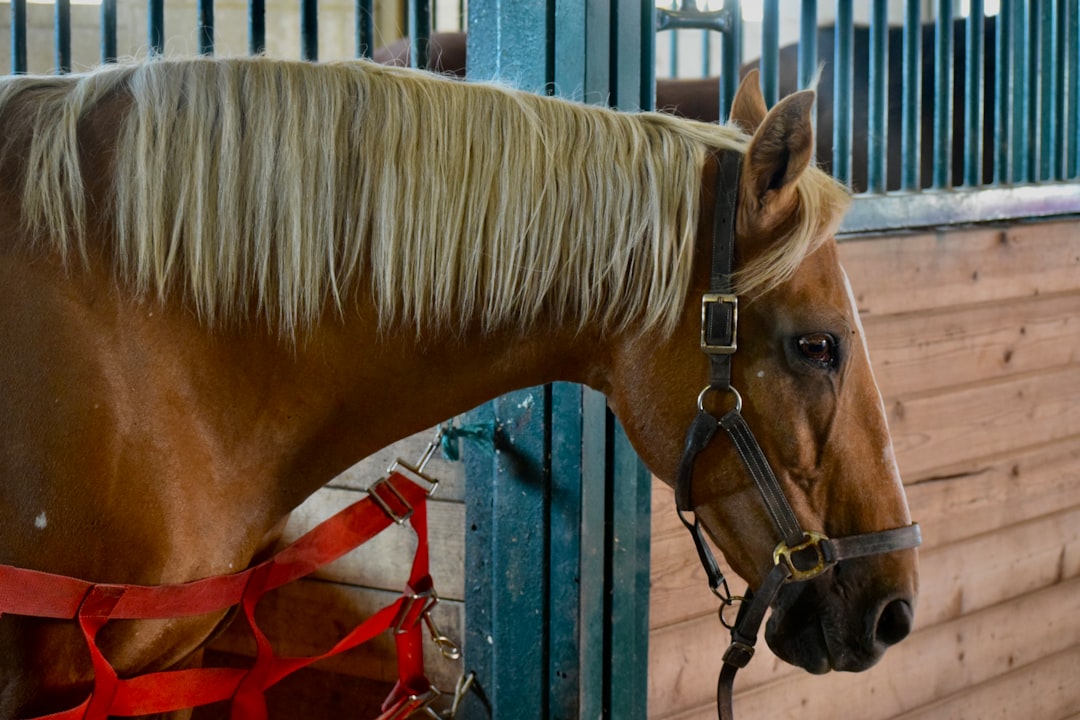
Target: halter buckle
column 719, row 323
column 785, row 554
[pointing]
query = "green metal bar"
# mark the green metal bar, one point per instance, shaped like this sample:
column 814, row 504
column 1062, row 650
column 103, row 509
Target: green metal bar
column 62, row 35
column 770, row 52
column 419, row 33
column 309, row 30
column 572, row 44
column 842, row 86
column 508, row 533
column 973, row 96
column 943, row 95
column 1048, row 88
column 18, row 37
column 808, row 50
column 155, row 26
column 594, row 610
column 1022, row 141
column 548, row 511
column 706, row 53
column 629, row 494
column 673, row 54
column 256, row 27
column 108, row 31
column 648, row 54
column 205, row 26
column 730, row 56
column 626, row 37
column 911, row 105
column 568, row 616
column 1072, row 62
column 877, row 150
column 1003, row 93
column 1032, row 105
column 365, row 28
column 1059, row 142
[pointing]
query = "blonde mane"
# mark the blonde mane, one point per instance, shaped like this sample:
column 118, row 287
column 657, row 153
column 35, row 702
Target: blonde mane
column 282, row 186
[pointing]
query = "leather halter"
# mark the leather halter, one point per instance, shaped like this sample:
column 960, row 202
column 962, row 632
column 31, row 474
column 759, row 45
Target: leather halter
column 719, row 328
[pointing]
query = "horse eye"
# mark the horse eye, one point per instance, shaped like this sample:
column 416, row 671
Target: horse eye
column 819, row 348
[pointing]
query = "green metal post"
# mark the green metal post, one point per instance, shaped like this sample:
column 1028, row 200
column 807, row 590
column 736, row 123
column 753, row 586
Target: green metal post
column 878, row 121
column 1072, row 60
column 557, row 550
column 770, row 52
column 943, row 95
column 108, row 31
column 1048, row 89
column 843, row 70
column 911, row 120
column 973, row 96
column 1003, row 84
column 419, row 33
column 730, row 57
column 62, row 36
column 808, row 50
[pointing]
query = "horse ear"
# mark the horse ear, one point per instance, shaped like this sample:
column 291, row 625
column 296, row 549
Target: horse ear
column 781, row 149
column 748, row 108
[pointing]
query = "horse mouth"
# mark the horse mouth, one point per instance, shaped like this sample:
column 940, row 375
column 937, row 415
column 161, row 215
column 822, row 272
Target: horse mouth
column 810, row 628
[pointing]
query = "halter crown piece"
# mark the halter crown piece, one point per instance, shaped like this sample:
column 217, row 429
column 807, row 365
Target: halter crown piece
column 719, row 330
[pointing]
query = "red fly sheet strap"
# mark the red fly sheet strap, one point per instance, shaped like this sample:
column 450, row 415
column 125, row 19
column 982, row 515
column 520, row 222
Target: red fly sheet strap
column 394, row 499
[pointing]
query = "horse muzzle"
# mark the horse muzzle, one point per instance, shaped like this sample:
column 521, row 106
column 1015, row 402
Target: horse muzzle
column 833, row 623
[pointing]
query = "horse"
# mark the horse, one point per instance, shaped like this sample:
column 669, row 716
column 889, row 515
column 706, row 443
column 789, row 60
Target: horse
column 224, row 282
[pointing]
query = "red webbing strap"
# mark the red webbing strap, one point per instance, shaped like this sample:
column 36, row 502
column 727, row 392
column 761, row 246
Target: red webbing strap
column 412, row 683
column 38, row 594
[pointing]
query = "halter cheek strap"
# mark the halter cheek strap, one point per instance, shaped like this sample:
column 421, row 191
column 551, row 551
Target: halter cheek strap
column 800, row 555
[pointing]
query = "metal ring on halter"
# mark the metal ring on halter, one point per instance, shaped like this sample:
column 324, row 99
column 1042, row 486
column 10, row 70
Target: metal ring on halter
column 725, row 605
column 703, row 393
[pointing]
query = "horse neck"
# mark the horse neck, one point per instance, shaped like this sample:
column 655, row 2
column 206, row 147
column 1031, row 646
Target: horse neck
column 376, row 386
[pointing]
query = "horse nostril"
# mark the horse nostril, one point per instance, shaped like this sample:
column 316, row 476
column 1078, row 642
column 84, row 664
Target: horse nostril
column 895, row 622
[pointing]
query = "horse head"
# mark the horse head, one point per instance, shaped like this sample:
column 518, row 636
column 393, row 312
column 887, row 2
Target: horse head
column 803, row 369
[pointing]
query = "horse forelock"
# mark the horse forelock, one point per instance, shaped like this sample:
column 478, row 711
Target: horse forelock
column 285, row 186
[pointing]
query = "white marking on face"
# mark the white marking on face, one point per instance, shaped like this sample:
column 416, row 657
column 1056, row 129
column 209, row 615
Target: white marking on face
column 41, row 522
column 761, row 373
column 888, row 455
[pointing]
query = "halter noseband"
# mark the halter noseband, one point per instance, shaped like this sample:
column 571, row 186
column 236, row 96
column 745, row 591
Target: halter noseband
column 719, row 328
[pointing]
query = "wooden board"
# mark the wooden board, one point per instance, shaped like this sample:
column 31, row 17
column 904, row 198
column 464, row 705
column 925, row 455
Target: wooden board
column 928, row 351
column 960, row 426
column 1046, row 688
column 1003, row 489
column 969, row 577
column 915, row 273
column 930, row 664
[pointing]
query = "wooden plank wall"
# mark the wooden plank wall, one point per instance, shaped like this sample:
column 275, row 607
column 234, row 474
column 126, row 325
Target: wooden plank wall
column 975, row 338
